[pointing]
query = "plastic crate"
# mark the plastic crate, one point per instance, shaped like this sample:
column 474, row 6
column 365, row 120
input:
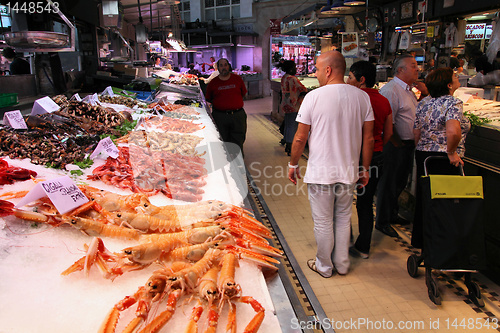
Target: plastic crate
column 8, row 100
column 143, row 95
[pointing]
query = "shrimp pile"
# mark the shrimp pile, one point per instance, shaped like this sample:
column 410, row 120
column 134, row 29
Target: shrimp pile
column 142, row 170
column 171, row 124
column 184, row 144
column 174, row 110
column 197, row 248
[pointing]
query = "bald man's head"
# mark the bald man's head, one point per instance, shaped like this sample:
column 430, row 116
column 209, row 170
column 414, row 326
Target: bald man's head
column 330, row 66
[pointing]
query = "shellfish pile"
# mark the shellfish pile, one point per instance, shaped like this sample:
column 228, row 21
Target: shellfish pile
column 196, row 249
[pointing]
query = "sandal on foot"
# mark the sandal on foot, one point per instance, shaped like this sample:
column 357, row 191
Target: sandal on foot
column 311, row 263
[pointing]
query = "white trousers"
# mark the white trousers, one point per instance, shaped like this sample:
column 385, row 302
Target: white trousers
column 331, row 207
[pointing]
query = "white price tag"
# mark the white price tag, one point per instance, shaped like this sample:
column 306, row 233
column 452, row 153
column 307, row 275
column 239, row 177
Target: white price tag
column 44, row 105
column 108, row 91
column 106, row 146
column 14, row 119
column 63, row 193
column 91, row 99
column 76, row 97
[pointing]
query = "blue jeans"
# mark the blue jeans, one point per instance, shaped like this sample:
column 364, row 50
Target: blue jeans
column 398, row 162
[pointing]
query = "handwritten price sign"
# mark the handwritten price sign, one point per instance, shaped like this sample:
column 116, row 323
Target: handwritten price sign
column 106, row 146
column 14, row 119
column 62, row 191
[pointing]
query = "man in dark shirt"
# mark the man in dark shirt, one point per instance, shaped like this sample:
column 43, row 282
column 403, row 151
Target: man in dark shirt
column 17, row 65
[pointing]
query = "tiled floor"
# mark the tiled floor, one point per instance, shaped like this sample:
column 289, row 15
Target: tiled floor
column 377, row 291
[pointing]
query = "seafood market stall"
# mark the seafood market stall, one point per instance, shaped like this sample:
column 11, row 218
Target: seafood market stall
column 164, row 237
column 482, row 158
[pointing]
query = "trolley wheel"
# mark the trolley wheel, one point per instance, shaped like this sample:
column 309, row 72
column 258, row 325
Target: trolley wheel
column 433, row 292
column 412, row 265
column 475, row 294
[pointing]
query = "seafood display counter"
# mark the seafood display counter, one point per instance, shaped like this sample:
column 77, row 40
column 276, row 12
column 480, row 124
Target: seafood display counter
column 482, row 158
column 164, row 241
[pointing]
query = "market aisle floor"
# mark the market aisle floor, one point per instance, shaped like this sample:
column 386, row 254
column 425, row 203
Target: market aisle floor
column 377, row 290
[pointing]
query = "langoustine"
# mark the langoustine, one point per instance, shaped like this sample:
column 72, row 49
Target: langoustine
column 181, row 254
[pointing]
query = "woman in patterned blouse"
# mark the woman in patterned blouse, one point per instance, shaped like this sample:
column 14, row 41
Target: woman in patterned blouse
column 293, row 92
column 440, row 129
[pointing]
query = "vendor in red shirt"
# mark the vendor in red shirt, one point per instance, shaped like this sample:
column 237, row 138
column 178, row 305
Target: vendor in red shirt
column 226, row 92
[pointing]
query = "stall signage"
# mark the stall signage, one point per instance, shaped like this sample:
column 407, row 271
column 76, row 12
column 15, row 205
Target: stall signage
column 350, row 44
column 475, row 31
column 62, row 191
column 489, row 31
column 14, row 119
column 275, row 26
column 430, row 31
column 106, row 146
column 44, row 105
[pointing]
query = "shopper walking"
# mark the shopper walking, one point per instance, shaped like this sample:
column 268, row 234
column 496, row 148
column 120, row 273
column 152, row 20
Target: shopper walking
column 398, row 152
column 440, row 130
column 362, row 74
column 226, row 93
column 293, row 92
column 337, row 119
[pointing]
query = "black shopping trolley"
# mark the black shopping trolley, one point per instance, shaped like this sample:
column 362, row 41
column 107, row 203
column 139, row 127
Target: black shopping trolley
column 452, row 230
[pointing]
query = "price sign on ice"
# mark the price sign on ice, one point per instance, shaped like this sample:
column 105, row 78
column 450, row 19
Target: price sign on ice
column 107, row 146
column 62, row 191
column 14, row 119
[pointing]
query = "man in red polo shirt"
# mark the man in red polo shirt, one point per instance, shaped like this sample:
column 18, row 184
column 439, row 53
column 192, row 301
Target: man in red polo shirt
column 226, row 92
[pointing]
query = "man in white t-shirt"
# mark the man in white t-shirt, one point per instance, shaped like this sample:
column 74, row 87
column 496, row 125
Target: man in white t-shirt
column 338, row 120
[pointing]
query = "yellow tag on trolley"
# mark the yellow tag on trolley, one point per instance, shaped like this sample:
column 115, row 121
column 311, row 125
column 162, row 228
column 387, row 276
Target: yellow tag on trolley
column 456, row 187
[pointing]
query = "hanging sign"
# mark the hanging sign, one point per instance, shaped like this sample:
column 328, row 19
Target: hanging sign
column 44, row 105
column 350, row 44
column 475, row 31
column 63, row 193
column 488, row 31
column 430, row 31
column 14, row 119
column 275, row 26
column 106, row 146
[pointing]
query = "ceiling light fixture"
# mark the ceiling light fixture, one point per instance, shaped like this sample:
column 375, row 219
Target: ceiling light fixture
column 354, row 2
column 335, row 8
